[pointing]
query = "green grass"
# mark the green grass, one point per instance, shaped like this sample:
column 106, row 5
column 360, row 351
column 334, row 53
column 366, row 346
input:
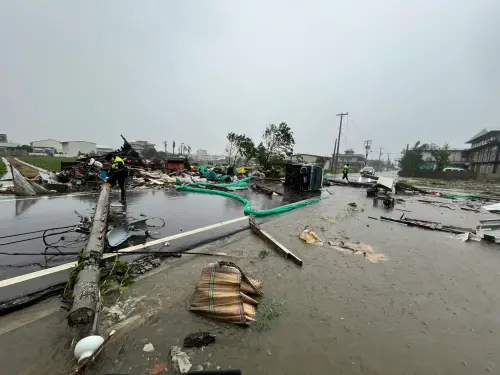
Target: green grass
column 3, row 168
column 49, row 163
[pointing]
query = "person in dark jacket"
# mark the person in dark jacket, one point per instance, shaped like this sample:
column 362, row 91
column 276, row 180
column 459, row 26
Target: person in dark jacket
column 345, row 172
column 117, row 173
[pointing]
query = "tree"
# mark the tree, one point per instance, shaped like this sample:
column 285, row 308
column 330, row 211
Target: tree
column 349, row 151
column 412, row 158
column 321, row 160
column 240, row 147
column 440, row 155
column 277, row 143
column 27, row 148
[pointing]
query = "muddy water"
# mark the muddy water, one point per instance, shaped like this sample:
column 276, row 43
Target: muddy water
column 181, row 212
column 431, row 308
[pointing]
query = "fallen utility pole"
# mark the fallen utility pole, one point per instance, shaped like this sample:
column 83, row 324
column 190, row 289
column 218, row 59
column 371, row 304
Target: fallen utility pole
column 86, row 288
column 274, row 243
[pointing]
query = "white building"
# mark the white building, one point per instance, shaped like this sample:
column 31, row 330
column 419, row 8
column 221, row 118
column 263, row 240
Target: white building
column 140, row 146
column 73, row 148
column 103, row 150
column 201, row 155
column 47, row 144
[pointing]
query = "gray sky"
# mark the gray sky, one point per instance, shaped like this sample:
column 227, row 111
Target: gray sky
column 193, row 70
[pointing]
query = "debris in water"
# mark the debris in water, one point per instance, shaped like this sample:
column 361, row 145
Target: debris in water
column 198, row 339
column 224, row 292
column 180, row 360
column 326, row 218
column 357, row 249
column 148, row 348
column 469, row 237
column 308, row 236
column 159, row 369
column 353, row 204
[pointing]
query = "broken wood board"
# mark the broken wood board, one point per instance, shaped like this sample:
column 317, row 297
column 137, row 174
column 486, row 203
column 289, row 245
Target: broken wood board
column 274, row 243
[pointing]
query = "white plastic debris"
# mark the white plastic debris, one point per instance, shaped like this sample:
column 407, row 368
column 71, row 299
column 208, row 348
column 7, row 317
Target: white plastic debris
column 180, row 359
column 148, row 348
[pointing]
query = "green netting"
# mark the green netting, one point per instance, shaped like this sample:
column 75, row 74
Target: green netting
column 247, row 210
column 456, row 196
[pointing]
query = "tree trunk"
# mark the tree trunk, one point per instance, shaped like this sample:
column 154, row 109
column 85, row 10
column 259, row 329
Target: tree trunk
column 86, row 289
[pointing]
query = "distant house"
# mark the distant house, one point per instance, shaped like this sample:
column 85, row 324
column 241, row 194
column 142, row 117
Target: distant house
column 355, row 160
column 11, row 149
column 483, row 154
column 457, row 158
column 68, row 149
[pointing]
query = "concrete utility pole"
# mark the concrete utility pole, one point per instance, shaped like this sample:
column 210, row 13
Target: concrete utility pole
column 388, row 161
column 165, row 144
column 86, row 288
column 380, row 154
column 368, row 146
column 333, row 155
column 338, row 139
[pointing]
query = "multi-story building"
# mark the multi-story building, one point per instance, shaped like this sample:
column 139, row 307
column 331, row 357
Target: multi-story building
column 484, row 152
column 140, row 146
column 457, row 157
column 201, row 154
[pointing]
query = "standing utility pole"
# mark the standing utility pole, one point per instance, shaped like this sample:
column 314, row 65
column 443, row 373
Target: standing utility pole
column 388, row 161
column 333, row 155
column 380, row 154
column 338, row 139
column 368, row 146
column 165, row 144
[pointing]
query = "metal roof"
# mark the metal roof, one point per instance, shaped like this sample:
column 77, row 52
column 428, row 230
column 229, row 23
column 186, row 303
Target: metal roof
column 481, row 134
column 9, row 145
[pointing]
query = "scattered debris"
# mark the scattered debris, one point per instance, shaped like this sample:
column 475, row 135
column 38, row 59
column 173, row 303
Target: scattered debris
column 224, row 293
column 308, row 236
column 426, row 224
column 353, row 204
column 495, row 208
column 148, row 348
column 159, row 368
column 198, row 339
column 180, row 360
column 274, row 243
column 489, row 230
column 469, row 237
column 357, row 248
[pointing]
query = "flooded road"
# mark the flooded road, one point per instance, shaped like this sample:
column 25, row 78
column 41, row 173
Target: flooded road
column 430, row 308
column 181, row 211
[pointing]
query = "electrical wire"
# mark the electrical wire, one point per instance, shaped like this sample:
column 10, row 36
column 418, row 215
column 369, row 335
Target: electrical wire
column 36, row 231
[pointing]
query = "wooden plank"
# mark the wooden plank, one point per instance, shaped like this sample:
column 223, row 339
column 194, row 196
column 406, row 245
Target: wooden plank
column 274, row 243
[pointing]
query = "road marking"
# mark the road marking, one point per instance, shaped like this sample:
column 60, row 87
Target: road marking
column 66, row 266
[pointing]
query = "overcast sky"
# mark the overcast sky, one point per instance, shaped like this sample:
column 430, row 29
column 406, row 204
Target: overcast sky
column 193, row 70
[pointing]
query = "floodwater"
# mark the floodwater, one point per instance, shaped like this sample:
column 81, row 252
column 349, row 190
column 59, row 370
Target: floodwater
column 181, row 211
column 430, row 308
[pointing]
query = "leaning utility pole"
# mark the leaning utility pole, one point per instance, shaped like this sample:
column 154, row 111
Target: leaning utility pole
column 333, row 155
column 338, row 139
column 368, row 146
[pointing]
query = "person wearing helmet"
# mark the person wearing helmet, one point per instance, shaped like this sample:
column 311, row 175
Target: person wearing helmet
column 345, row 172
column 117, row 174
